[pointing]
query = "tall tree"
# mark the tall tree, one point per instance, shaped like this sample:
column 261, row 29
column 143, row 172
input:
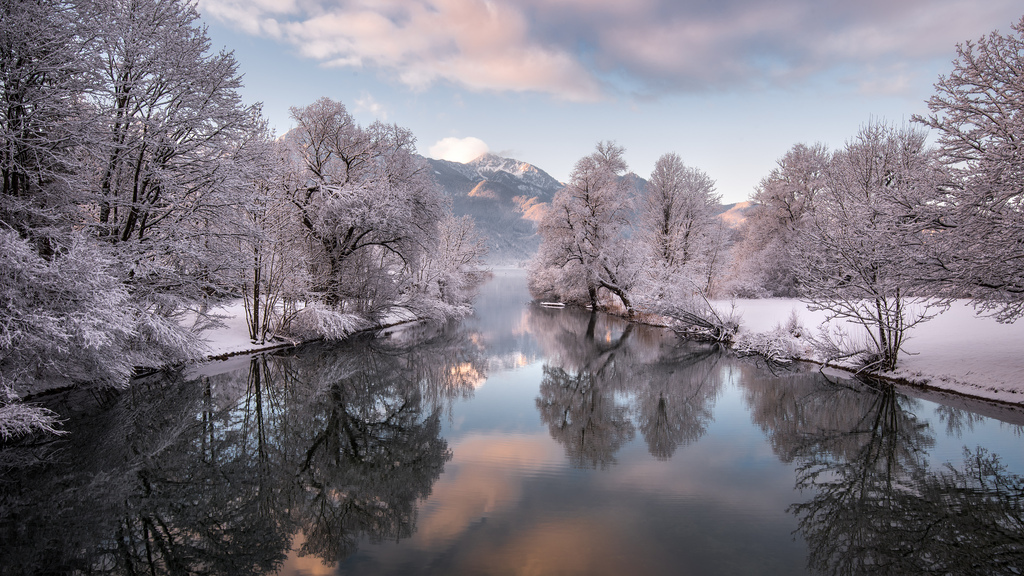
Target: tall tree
column 119, row 133
column 168, row 175
column 676, row 227
column 44, row 73
column 676, row 212
column 272, row 242
column 380, row 231
column 369, row 206
column 856, row 253
column 763, row 263
column 977, row 245
column 583, row 244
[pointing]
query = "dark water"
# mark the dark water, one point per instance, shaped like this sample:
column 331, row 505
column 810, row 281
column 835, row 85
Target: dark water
column 524, row 440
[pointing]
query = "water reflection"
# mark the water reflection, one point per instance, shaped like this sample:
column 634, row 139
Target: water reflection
column 962, row 520
column 367, row 448
column 958, row 421
column 603, row 374
column 499, row 322
column 805, row 415
column 876, row 506
column 149, row 482
column 218, row 475
column 596, row 447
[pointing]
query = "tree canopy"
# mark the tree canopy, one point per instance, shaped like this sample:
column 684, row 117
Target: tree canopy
column 977, row 249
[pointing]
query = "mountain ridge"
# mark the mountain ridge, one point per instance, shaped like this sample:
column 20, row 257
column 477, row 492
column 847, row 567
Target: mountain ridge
column 522, row 176
column 507, row 198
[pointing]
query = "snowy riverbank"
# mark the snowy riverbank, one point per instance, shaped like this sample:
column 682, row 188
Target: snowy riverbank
column 227, row 344
column 956, row 351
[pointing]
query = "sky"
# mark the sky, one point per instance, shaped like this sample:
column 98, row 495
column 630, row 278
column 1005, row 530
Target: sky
column 729, row 85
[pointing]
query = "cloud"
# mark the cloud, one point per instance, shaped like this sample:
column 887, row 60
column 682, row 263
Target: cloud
column 747, row 43
column 367, row 103
column 482, row 45
column 458, row 149
column 255, row 17
column 586, row 50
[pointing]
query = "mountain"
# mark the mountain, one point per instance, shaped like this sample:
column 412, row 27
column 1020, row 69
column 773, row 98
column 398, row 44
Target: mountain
column 507, row 198
column 504, row 196
column 735, row 214
column 526, row 179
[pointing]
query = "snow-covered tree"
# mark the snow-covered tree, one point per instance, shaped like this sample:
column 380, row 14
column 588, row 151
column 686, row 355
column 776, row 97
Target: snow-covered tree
column 45, row 70
column 855, row 255
column 119, row 153
column 976, row 249
column 677, row 229
column 167, row 174
column 451, row 269
column 762, row 261
column 64, row 322
column 272, row 242
column 369, row 206
column 583, row 244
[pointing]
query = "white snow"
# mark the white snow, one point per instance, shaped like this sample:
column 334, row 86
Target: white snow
column 956, row 351
column 961, row 352
column 233, row 337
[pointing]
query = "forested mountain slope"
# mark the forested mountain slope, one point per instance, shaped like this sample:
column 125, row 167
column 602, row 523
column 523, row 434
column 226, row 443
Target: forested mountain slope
column 504, row 196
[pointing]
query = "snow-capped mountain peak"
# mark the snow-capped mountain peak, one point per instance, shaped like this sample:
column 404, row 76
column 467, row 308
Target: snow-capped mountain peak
column 504, row 196
column 523, row 177
column 489, row 165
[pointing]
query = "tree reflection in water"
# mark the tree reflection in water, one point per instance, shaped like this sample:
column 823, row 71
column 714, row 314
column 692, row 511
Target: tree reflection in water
column 326, row 447
column 876, row 506
column 604, row 374
column 217, row 476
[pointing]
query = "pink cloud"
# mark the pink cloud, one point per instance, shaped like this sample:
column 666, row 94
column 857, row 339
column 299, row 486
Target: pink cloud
column 578, row 50
column 479, row 44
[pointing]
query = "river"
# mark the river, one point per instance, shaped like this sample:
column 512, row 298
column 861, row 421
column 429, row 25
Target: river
column 522, row 440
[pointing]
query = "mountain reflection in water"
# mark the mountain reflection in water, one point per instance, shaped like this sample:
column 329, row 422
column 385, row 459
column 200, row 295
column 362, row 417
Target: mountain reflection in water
column 522, row 440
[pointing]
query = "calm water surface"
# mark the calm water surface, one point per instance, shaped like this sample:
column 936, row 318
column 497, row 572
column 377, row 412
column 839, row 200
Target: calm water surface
column 524, row 440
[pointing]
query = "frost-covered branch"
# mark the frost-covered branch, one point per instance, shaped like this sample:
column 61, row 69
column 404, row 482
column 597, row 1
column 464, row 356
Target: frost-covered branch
column 855, row 253
column 976, row 220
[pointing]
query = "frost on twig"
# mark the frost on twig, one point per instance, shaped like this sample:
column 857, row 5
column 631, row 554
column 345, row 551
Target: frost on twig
column 781, row 345
column 835, row 345
column 18, row 419
column 698, row 319
column 318, row 321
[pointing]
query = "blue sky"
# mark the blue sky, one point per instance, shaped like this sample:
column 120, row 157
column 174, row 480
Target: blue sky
column 729, row 85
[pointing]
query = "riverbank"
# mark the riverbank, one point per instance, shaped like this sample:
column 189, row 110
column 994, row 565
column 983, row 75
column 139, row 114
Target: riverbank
column 229, row 343
column 957, row 351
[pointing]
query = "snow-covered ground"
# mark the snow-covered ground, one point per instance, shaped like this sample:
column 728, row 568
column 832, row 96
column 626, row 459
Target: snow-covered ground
column 230, row 346
column 955, row 351
column 232, row 337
